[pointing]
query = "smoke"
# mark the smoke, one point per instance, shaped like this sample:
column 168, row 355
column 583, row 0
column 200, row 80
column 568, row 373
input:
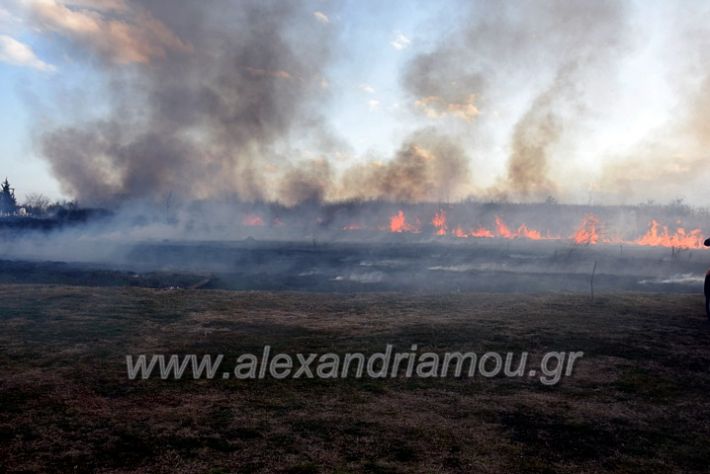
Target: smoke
column 672, row 162
column 230, row 101
column 428, row 167
column 547, row 47
column 307, row 183
column 532, row 143
column 203, row 100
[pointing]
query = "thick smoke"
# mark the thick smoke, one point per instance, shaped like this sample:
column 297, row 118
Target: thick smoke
column 428, row 167
column 532, row 142
column 205, row 105
column 228, row 101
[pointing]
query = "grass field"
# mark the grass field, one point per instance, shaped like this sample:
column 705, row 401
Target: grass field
column 637, row 402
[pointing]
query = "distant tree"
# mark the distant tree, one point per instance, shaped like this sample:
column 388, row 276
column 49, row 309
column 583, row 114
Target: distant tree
column 8, row 203
column 551, row 201
column 36, row 204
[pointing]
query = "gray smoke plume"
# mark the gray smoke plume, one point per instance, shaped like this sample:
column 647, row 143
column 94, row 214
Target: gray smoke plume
column 428, row 167
column 202, row 98
column 534, row 136
column 220, row 101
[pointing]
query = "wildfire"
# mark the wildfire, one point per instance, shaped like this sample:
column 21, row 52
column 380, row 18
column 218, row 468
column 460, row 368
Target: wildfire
column 502, row 229
column 660, row 236
column 526, row 233
column 398, row 223
column 588, row 232
column 482, row 233
column 439, row 221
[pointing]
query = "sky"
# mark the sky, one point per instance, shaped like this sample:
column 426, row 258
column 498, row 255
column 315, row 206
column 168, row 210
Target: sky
column 581, row 101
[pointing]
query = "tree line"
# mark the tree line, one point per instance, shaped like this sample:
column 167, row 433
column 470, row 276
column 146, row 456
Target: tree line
column 34, row 205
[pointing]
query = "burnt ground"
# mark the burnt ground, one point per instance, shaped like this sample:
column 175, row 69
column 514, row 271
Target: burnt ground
column 637, row 402
column 398, row 263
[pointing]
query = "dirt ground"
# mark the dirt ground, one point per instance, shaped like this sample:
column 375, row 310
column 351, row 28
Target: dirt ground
column 636, row 402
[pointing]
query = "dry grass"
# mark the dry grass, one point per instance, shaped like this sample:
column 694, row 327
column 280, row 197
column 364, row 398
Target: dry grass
column 637, row 402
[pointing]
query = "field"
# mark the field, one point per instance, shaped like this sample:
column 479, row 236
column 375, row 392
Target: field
column 636, row 402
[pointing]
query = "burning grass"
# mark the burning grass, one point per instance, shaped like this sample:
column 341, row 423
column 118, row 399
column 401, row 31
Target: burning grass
column 637, row 401
column 589, row 232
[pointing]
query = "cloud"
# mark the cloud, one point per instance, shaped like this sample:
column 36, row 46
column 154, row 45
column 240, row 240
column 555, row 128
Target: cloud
column 400, row 41
column 321, row 17
column 373, row 104
column 367, row 88
column 14, row 52
column 122, row 33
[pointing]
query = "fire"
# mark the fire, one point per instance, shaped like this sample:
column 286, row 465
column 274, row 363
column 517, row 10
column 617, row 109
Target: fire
column 660, row 236
column 531, row 234
column 587, row 233
column 439, row 221
column 252, row 220
column 482, row 233
column 502, row 229
column 398, row 223
column 522, row 232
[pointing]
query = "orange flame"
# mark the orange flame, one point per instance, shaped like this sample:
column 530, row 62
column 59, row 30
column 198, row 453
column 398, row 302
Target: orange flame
column 587, row 233
column 439, row 221
column 531, row 234
column 398, row 223
column 482, row 233
column 658, row 236
column 502, row 229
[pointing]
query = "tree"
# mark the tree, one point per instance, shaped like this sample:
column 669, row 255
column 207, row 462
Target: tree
column 36, row 204
column 8, row 203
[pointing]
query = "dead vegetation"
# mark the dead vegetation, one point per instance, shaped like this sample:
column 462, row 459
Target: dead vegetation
column 636, row 403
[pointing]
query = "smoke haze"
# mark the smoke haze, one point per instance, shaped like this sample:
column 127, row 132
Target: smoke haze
column 233, row 102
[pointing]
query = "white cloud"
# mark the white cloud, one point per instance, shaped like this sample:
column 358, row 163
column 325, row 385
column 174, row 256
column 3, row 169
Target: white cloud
column 321, row 17
column 400, row 41
column 14, row 52
column 367, row 88
column 373, row 104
